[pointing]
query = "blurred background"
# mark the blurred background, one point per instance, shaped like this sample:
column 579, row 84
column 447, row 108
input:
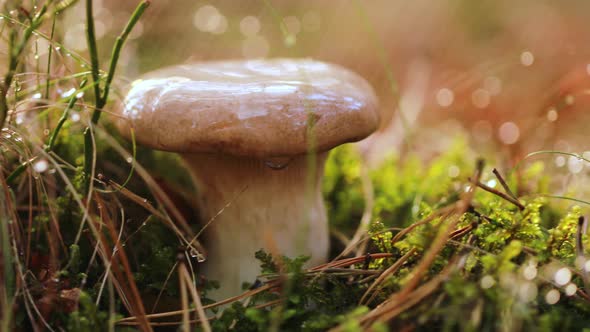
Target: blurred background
column 511, row 76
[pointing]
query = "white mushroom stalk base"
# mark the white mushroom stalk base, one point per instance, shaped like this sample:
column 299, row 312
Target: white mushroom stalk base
column 253, row 205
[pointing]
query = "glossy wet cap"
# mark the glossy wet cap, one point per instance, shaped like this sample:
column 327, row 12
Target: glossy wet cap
column 260, row 108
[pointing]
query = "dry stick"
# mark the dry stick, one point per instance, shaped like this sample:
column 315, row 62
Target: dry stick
column 501, row 194
column 439, row 242
column 504, row 184
column 196, row 299
column 390, row 271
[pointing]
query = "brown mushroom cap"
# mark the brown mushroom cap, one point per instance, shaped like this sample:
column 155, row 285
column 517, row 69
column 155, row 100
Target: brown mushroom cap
column 257, row 108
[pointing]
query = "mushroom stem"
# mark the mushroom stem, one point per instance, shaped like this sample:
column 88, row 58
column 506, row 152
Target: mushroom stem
column 272, row 206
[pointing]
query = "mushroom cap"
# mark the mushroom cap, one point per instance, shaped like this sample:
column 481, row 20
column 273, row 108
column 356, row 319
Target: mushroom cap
column 256, row 108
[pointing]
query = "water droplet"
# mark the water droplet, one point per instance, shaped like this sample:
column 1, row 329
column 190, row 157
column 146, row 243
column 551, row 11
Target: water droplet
column 571, row 289
column 80, row 95
column 560, row 161
column 41, row 166
column 75, row 117
column 37, row 95
column 453, row 171
column 562, row 276
column 552, row 296
column 492, row 183
column 575, row 165
column 445, row 97
column 277, row 163
column 529, row 272
column 194, row 253
column 57, row 48
column 509, row 133
column 552, row 114
column 527, row 58
column 129, row 159
column 68, row 93
column 481, row 98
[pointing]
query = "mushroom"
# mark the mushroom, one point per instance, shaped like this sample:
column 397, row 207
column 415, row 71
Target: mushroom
column 254, row 135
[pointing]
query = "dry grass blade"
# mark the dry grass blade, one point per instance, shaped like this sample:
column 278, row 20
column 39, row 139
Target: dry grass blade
column 504, row 184
column 188, row 283
column 185, row 326
column 125, row 278
column 501, row 194
column 390, row 271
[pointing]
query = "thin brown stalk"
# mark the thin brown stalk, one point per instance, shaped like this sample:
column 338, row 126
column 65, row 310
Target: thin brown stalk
column 125, row 277
column 504, row 184
column 209, row 306
column 195, row 295
column 501, row 194
column 376, row 285
column 185, row 326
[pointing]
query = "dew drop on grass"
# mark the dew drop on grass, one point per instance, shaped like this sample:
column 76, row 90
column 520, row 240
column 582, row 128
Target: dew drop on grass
column 562, row 276
column 41, row 166
column 194, row 253
column 75, row 117
column 552, row 115
column 453, row 171
column 529, row 272
column 575, row 164
column 445, row 97
column 68, row 93
column 509, row 133
column 560, row 161
column 552, row 296
column 129, row 159
column 480, row 98
column 527, row 58
column 570, row 289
